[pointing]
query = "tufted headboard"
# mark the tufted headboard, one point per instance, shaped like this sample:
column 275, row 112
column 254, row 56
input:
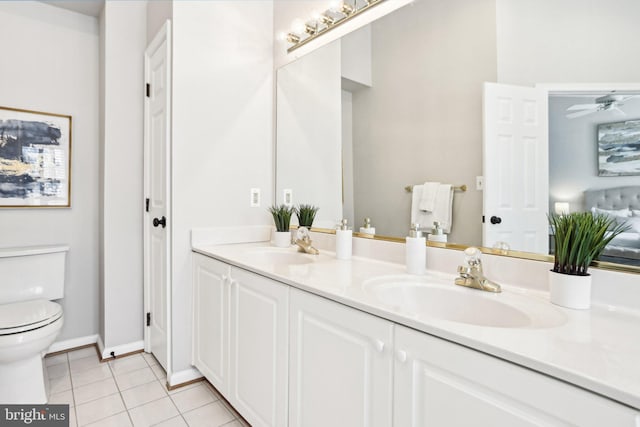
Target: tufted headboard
column 613, row 198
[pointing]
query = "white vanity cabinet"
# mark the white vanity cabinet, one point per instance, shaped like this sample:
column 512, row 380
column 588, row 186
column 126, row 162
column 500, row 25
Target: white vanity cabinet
column 240, row 341
column 210, row 345
column 438, row 383
column 259, row 346
column 341, row 365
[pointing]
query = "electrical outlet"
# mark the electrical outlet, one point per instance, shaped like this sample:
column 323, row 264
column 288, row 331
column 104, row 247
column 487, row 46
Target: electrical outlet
column 479, row 183
column 287, row 194
column 255, row 198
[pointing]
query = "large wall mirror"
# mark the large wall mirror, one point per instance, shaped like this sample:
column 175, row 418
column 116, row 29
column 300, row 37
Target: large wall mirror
column 404, row 101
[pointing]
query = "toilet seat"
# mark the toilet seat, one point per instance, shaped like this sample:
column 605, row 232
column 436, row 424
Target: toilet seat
column 27, row 316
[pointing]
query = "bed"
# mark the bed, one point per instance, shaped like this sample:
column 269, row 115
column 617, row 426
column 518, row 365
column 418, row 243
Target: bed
column 624, row 204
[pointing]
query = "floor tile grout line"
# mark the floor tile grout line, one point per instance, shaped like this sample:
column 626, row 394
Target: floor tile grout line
column 112, row 415
column 73, row 392
column 120, row 392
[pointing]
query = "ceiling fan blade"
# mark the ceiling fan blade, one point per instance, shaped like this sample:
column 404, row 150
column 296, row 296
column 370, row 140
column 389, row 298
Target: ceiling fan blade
column 580, row 114
column 583, row 107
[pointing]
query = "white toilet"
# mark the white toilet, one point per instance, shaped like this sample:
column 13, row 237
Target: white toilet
column 29, row 321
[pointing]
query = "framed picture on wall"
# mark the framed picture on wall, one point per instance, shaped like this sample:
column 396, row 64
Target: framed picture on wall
column 619, row 148
column 35, row 159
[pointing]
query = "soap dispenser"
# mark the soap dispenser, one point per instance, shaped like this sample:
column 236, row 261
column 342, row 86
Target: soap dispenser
column 367, row 228
column 437, row 235
column 416, row 251
column 343, row 241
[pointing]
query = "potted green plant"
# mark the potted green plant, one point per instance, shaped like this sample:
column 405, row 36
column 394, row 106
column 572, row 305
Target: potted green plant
column 306, row 214
column 282, row 218
column 580, row 238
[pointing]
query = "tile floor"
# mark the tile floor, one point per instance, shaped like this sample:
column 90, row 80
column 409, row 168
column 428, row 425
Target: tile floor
column 130, row 391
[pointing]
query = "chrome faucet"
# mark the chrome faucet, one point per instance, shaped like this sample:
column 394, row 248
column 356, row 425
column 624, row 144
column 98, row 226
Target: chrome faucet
column 471, row 275
column 303, row 240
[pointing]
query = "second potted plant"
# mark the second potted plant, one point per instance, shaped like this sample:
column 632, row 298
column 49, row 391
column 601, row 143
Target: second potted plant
column 306, row 214
column 580, row 238
column 282, row 218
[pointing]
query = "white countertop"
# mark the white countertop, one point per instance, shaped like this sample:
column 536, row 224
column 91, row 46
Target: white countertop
column 597, row 349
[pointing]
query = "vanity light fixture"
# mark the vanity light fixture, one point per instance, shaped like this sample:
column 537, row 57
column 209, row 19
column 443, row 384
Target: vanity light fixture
column 337, row 14
column 293, row 38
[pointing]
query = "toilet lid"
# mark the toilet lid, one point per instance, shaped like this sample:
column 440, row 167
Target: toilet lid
column 27, row 315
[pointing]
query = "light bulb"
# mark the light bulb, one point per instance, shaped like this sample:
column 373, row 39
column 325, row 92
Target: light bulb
column 297, row 26
column 335, row 6
column 281, row 36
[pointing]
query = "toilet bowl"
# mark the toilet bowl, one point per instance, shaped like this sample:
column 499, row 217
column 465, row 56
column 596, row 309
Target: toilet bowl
column 27, row 329
column 29, row 321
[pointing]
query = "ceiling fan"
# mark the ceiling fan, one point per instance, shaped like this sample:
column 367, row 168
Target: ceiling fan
column 609, row 102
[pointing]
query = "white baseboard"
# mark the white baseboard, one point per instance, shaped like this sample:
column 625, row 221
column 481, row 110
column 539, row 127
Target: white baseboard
column 72, row 343
column 183, row 376
column 105, row 352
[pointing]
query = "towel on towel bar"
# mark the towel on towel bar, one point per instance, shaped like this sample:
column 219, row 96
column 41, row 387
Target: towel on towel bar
column 428, row 198
column 442, row 211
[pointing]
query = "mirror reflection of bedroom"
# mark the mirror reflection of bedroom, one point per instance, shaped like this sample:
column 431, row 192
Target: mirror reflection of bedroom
column 594, row 162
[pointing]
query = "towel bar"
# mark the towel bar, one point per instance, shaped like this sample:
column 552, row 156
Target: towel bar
column 463, row 188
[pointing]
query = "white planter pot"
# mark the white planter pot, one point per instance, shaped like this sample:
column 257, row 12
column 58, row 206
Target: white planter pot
column 281, row 239
column 570, row 291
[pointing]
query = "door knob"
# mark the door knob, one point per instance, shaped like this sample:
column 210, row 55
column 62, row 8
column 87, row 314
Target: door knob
column 162, row 221
column 495, row 220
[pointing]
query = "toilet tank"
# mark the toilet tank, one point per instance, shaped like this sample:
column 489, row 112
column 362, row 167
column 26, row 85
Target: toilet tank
column 32, row 272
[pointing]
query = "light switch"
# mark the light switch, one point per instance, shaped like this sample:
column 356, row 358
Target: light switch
column 255, row 198
column 287, row 196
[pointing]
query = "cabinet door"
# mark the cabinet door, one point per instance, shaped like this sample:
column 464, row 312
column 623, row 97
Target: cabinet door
column 259, row 348
column 438, row 383
column 341, row 365
column 210, row 352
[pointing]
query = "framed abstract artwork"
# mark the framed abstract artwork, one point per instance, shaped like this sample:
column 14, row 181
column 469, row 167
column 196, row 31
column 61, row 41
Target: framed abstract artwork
column 35, row 159
column 619, row 148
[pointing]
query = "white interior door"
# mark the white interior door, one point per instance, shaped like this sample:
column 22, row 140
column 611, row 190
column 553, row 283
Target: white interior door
column 516, row 168
column 157, row 204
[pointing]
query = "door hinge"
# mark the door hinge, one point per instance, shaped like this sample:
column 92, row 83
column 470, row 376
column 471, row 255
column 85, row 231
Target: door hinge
column 148, row 90
column 482, row 217
column 146, row 204
column 149, row 319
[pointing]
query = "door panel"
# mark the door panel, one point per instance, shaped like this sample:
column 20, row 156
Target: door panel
column 516, row 167
column 157, row 239
column 439, row 383
column 341, row 368
column 211, row 320
column 259, row 348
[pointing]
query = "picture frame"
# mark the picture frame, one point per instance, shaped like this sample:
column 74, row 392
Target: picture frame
column 619, row 148
column 35, row 159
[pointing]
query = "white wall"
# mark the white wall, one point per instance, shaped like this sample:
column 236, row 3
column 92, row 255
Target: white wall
column 50, row 63
column 125, row 39
column 309, row 129
column 550, row 41
column 573, row 150
column 222, row 132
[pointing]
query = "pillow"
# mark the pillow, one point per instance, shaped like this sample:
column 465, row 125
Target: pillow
column 619, row 213
column 634, row 223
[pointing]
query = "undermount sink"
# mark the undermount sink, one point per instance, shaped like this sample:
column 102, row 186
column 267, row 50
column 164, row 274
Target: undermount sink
column 438, row 299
